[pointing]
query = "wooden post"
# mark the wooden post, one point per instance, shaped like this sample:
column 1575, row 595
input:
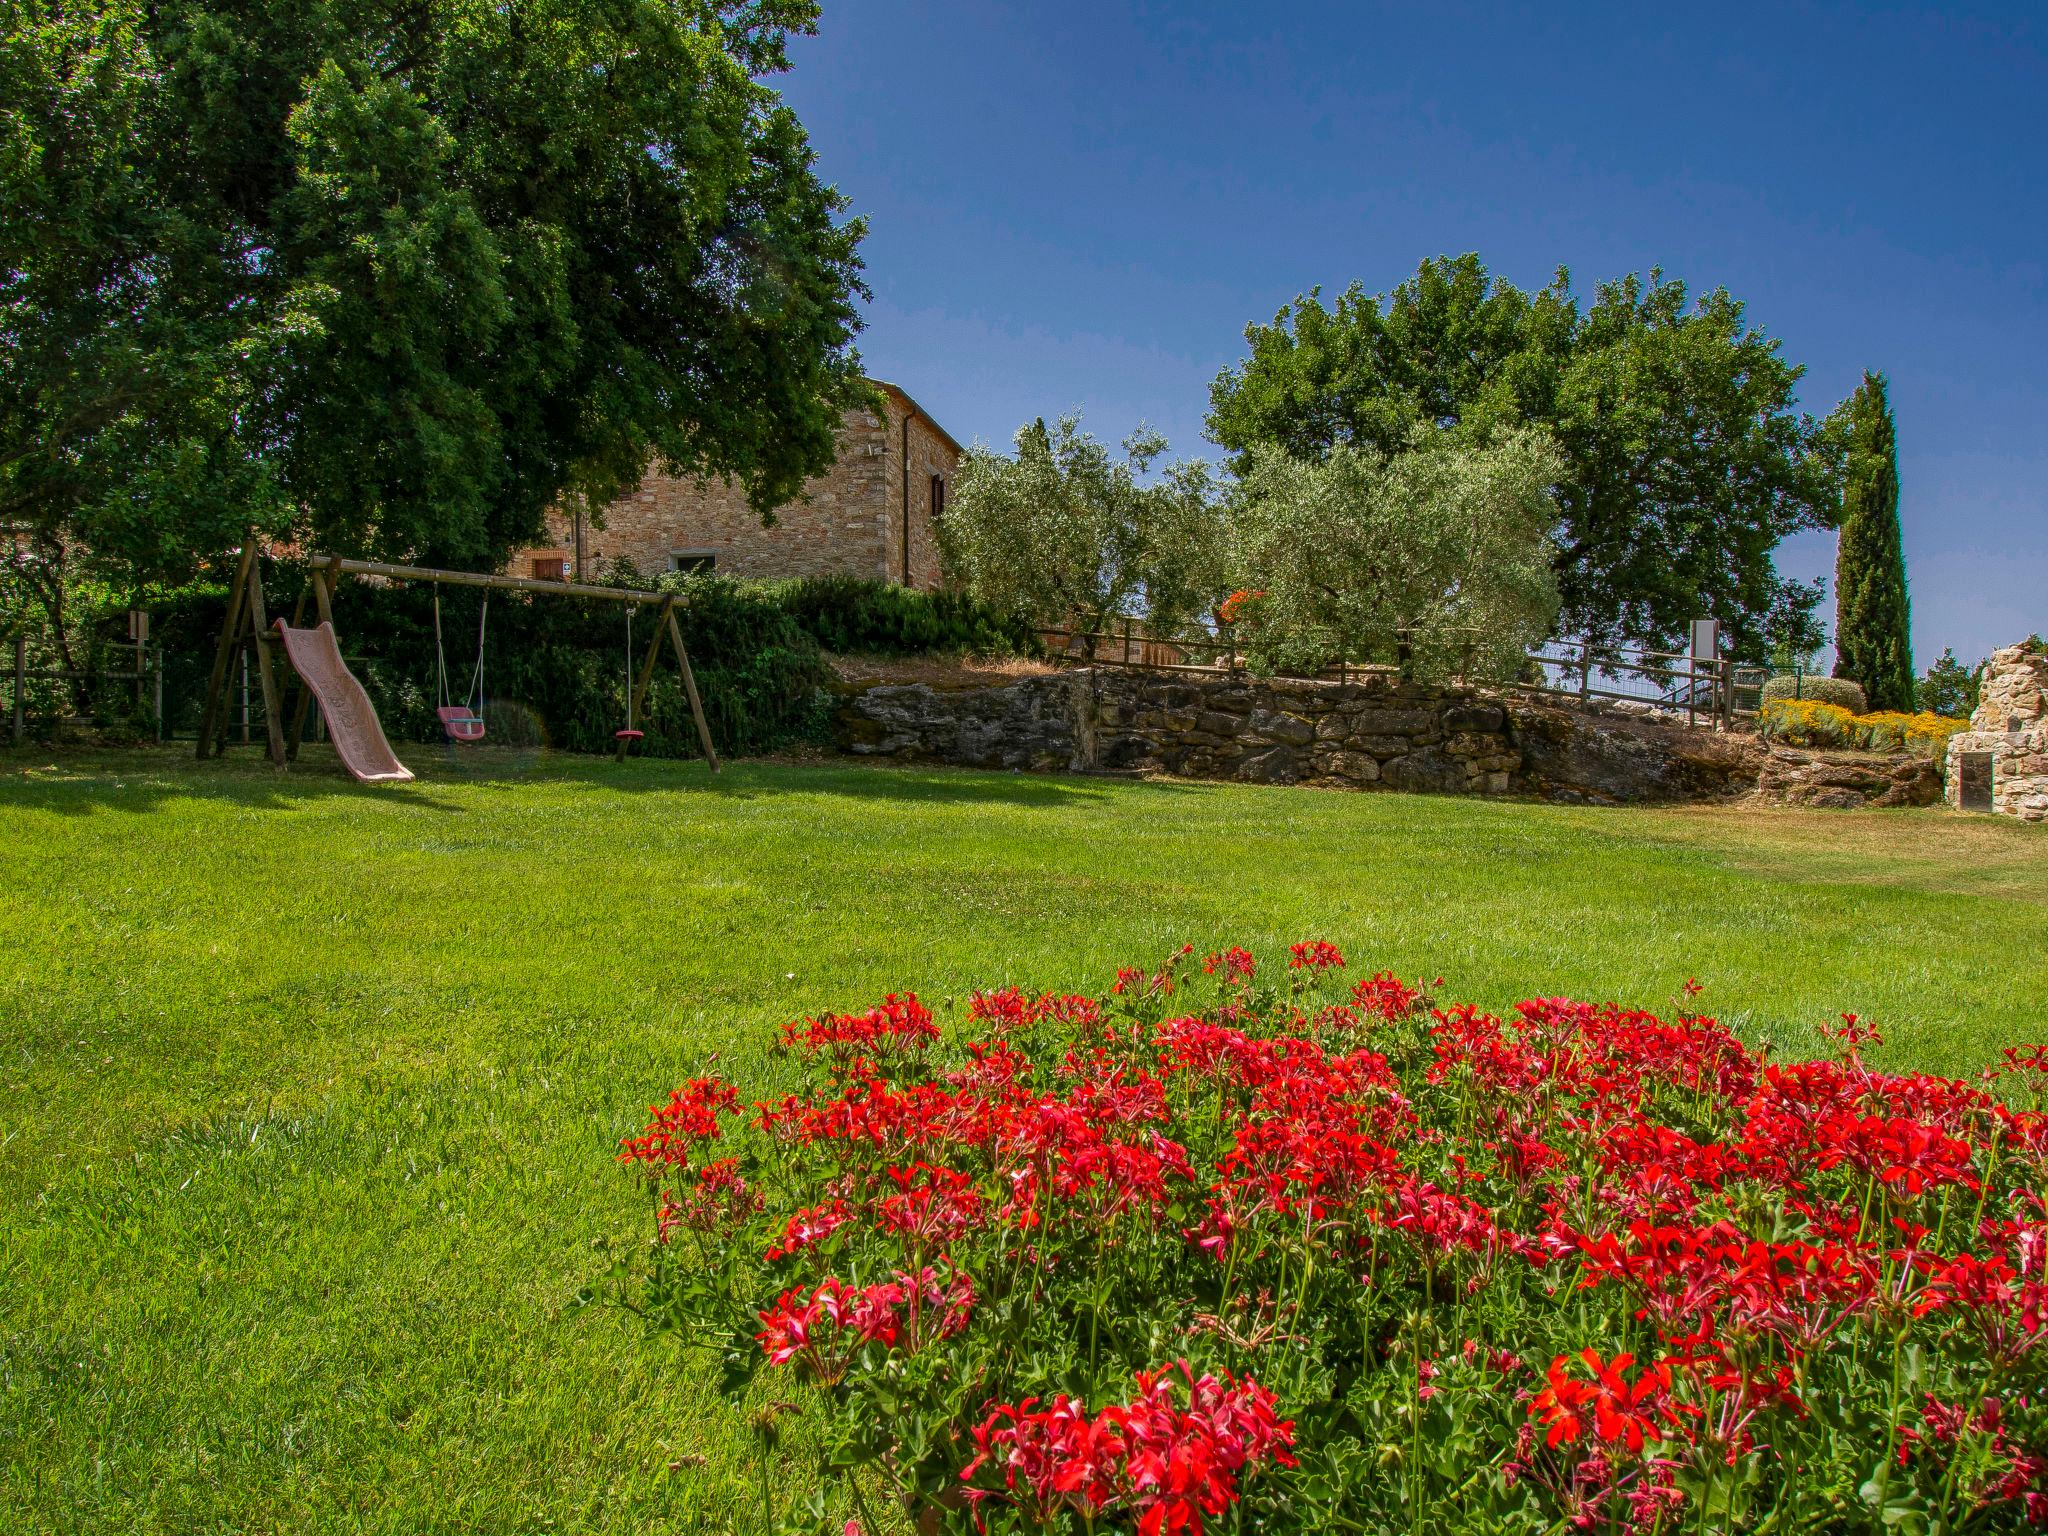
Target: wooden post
column 20, row 680
column 217, row 681
column 261, row 638
column 675, row 634
column 323, row 592
column 302, row 696
column 637, row 702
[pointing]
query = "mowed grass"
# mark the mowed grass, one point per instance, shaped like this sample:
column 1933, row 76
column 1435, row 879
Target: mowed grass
column 309, row 1092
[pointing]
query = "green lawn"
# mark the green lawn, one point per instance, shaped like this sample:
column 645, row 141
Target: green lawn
column 308, row 1092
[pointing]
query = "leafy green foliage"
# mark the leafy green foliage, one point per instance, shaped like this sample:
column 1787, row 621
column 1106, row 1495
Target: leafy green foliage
column 1437, row 557
column 1062, row 534
column 1950, row 688
column 1685, row 459
column 852, row 615
column 404, row 277
column 1792, row 635
column 1873, row 616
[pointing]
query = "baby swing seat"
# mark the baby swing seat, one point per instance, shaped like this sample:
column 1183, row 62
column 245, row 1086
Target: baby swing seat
column 464, row 721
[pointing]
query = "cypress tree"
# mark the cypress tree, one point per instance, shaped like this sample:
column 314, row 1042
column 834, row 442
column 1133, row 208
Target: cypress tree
column 1873, row 622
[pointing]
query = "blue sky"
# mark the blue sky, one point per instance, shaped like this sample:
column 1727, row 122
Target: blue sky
column 1082, row 205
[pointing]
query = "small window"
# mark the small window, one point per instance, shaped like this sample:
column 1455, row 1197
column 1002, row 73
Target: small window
column 551, row 568
column 938, row 497
column 693, row 562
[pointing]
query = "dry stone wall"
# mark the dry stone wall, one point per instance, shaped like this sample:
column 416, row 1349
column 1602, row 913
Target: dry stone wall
column 1373, row 733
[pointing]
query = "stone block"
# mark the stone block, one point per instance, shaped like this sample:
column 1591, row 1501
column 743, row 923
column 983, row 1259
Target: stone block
column 1278, row 766
column 1426, row 769
column 1380, row 746
column 1475, row 717
column 1350, row 767
column 1290, row 730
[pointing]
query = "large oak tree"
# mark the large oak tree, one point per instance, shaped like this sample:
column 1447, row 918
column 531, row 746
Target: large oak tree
column 400, row 274
column 1686, row 458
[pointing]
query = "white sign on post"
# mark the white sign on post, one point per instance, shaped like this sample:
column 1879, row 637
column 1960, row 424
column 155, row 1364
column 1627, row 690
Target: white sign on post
column 1706, row 639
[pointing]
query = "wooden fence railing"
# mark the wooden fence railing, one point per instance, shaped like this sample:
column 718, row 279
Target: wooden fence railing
column 1713, row 691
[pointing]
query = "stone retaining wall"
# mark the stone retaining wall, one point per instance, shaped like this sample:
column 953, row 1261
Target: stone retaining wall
column 1369, row 733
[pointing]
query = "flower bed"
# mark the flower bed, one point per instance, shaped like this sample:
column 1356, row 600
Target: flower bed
column 1225, row 1248
column 1810, row 723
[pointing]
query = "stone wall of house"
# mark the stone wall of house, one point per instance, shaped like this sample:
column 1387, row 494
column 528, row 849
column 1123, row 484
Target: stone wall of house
column 1375, row 732
column 849, row 520
column 931, row 456
column 2010, row 727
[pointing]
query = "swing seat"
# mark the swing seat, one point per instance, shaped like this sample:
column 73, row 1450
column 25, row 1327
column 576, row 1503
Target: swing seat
column 627, row 735
column 460, row 722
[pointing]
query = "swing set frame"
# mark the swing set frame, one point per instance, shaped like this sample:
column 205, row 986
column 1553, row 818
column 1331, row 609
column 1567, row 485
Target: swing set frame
column 248, row 627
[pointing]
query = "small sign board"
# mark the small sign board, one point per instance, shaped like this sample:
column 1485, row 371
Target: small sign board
column 1706, row 639
column 138, row 625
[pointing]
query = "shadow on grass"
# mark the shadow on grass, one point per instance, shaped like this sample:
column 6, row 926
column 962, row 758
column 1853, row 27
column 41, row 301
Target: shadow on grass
column 84, row 781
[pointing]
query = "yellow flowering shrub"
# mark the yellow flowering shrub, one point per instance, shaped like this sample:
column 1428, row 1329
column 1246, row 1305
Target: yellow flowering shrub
column 1805, row 722
column 1811, row 723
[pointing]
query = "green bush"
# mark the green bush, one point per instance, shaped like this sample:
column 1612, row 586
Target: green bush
column 1838, row 691
column 850, row 615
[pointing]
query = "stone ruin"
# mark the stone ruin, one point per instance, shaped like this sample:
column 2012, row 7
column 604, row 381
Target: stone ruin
column 2000, row 763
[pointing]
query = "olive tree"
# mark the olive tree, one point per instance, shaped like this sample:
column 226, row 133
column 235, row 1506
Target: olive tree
column 1437, row 557
column 1063, row 532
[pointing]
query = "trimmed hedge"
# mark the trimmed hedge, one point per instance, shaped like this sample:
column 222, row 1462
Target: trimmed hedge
column 1841, row 692
column 852, row 616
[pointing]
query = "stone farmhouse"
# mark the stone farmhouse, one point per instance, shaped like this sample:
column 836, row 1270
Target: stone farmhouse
column 871, row 514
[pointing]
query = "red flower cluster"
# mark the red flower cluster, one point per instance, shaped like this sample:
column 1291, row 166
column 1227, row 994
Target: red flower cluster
column 1400, row 1205
column 1232, row 608
column 1316, row 955
column 1618, row 1410
column 1167, row 1466
column 901, row 1026
column 690, row 1116
column 909, row 1311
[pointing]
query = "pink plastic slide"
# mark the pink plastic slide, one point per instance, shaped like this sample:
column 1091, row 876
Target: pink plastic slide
column 352, row 723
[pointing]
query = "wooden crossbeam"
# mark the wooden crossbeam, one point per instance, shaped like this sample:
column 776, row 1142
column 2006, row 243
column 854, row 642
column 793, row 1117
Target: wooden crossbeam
column 392, row 572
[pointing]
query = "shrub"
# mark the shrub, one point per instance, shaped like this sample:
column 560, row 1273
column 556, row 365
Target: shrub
column 1841, row 692
column 1895, row 731
column 1804, row 723
column 1343, row 1259
column 851, row 615
column 1809, row 723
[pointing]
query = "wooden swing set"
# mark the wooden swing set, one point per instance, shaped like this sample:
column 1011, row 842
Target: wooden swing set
column 321, row 676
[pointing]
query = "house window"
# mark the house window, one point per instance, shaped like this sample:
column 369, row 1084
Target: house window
column 551, row 568
column 938, row 496
column 693, row 561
